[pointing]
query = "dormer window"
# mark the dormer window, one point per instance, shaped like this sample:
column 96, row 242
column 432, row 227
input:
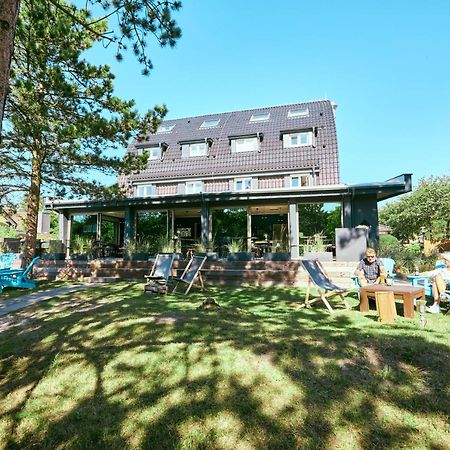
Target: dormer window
column 259, row 117
column 194, row 187
column 210, row 123
column 242, row 184
column 249, row 144
column 163, row 128
column 297, row 139
column 153, row 152
column 299, row 112
column 144, row 190
column 194, row 149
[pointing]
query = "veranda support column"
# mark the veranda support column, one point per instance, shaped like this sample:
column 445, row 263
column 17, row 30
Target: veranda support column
column 346, row 214
column 249, row 230
column 64, row 231
column 130, row 224
column 205, row 220
column 293, row 231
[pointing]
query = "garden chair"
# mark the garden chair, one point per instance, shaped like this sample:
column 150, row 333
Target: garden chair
column 424, row 281
column 388, row 265
column 159, row 275
column 326, row 288
column 191, row 273
column 7, row 260
column 19, row 278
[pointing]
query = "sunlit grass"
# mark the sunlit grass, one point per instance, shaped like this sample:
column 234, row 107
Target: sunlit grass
column 112, row 368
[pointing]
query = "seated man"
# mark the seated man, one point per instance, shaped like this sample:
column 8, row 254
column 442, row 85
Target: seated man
column 440, row 282
column 370, row 268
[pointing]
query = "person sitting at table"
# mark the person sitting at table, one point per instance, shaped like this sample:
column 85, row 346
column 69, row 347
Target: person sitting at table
column 370, row 268
column 440, row 282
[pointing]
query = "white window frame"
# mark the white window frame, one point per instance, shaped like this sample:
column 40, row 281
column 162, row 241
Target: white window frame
column 246, row 184
column 194, row 187
column 211, row 123
column 299, row 112
column 198, row 149
column 303, row 180
column 154, row 152
column 142, row 190
column 245, row 144
column 259, row 117
column 163, row 128
column 287, row 139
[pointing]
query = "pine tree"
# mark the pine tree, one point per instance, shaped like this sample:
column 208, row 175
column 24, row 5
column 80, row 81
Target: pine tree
column 62, row 116
column 136, row 19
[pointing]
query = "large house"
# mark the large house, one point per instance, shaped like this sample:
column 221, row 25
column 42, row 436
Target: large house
column 266, row 161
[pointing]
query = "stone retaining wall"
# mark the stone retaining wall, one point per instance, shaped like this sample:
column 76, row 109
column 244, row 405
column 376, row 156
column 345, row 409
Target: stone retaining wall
column 254, row 273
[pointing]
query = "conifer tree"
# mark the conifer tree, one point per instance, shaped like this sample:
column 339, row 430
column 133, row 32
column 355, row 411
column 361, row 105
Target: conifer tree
column 62, row 118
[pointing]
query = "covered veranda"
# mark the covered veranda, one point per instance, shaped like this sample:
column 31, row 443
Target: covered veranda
column 114, row 222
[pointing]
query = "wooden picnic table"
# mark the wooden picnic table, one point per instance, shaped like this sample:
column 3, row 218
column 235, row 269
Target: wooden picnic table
column 404, row 292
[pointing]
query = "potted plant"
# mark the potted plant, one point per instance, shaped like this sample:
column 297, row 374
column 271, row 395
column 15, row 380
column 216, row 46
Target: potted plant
column 315, row 248
column 278, row 253
column 82, row 248
column 137, row 250
column 202, row 250
column 55, row 250
column 235, row 248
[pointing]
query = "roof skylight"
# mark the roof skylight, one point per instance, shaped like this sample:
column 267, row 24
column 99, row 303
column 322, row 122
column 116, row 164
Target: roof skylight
column 259, row 117
column 165, row 128
column 210, row 123
column 299, row 112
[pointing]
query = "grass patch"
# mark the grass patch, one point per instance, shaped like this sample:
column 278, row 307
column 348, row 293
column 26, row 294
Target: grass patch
column 112, row 368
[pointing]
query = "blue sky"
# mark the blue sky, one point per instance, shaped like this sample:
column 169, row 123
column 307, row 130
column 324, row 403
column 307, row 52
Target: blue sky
column 385, row 63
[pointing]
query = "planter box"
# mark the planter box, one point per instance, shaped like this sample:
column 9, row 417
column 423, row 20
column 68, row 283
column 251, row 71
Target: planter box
column 321, row 256
column 277, row 256
column 53, row 256
column 210, row 256
column 240, row 256
column 142, row 256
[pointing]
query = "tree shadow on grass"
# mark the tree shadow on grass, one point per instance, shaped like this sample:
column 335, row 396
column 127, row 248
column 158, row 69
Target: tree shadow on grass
column 131, row 371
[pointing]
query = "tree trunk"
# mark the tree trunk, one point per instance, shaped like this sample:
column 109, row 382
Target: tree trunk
column 32, row 211
column 9, row 10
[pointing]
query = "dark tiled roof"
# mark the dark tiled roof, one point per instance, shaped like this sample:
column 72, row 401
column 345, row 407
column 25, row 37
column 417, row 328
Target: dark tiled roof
column 272, row 156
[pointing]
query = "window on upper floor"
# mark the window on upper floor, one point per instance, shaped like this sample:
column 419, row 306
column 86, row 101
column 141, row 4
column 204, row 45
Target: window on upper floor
column 299, row 181
column 163, row 128
column 194, row 187
column 242, row 184
column 249, row 144
column 194, row 149
column 210, row 123
column 153, row 152
column 297, row 139
column 144, row 190
column 259, row 117
column 298, row 112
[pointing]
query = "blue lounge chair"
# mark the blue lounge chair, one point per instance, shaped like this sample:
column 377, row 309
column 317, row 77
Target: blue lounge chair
column 388, row 265
column 326, row 288
column 7, row 260
column 19, row 278
column 424, row 281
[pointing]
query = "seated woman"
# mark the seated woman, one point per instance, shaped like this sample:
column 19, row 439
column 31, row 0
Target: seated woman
column 440, row 282
column 370, row 268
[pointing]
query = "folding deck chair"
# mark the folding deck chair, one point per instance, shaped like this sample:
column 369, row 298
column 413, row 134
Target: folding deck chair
column 191, row 273
column 326, row 288
column 159, row 275
column 19, row 278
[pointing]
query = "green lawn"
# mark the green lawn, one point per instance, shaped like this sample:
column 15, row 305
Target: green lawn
column 111, row 368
